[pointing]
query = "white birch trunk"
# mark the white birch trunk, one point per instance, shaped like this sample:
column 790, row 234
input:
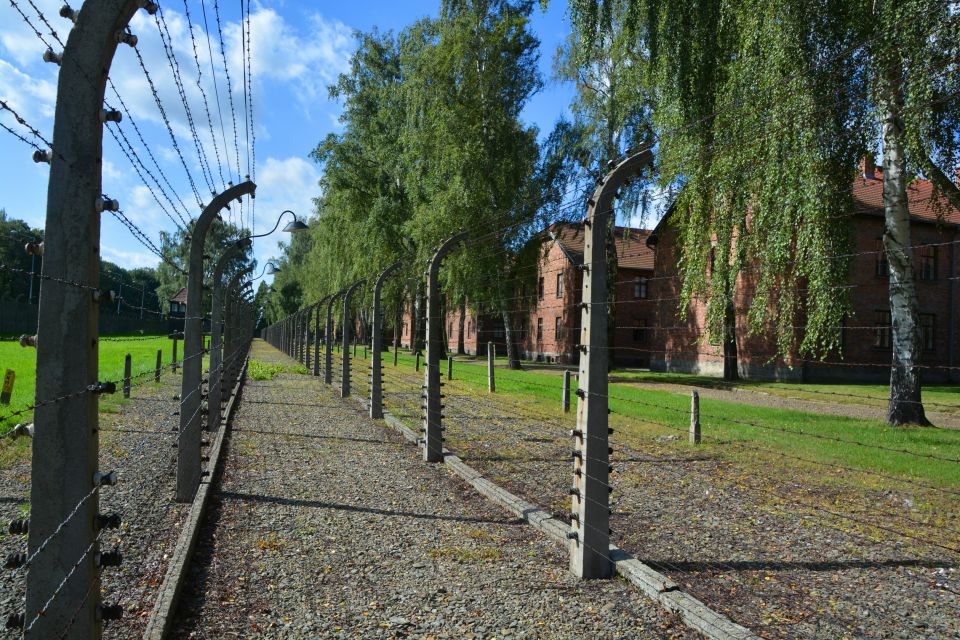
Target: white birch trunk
column 905, row 405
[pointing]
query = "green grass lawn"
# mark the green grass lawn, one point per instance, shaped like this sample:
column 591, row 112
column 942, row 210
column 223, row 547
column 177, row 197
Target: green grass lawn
column 927, row 454
column 943, row 398
column 113, row 349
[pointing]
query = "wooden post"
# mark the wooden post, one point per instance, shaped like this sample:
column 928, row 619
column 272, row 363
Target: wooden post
column 418, row 361
column 694, row 417
column 565, row 395
column 491, row 356
column 156, row 374
column 449, row 367
column 174, row 354
column 126, row 376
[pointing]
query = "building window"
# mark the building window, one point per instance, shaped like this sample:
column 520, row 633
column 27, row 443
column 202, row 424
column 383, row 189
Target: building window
column 927, row 262
column 469, row 328
column 640, row 331
column 881, row 336
column 881, row 267
column 927, row 331
column 450, row 329
column 560, row 285
column 639, row 287
column 539, row 328
column 404, row 328
column 540, row 289
column 558, row 327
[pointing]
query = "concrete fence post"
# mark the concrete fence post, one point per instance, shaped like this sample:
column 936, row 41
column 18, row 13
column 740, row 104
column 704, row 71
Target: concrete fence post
column 590, row 494
column 345, row 363
column 694, row 417
column 227, row 345
column 215, row 393
column 316, row 337
column 156, row 375
column 329, row 340
column 433, row 407
column 376, row 355
column 491, row 358
column 565, row 394
column 65, row 483
column 188, row 444
column 126, row 376
column 307, row 337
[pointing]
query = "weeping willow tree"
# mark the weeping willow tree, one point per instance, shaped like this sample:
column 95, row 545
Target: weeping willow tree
column 762, row 110
column 472, row 161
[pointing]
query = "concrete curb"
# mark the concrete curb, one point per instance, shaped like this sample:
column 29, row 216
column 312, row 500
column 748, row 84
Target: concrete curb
column 161, row 618
column 652, row 583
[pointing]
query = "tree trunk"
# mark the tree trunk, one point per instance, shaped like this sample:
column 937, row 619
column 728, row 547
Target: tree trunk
column 463, row 318
column 415, row 337
column 398, row 324
column 730, row 362
column 513, row 359
column 905, row 404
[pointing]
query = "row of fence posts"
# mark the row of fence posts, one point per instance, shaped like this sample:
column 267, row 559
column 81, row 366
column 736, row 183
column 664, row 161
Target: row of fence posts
column 63, row 592
column 589, row 533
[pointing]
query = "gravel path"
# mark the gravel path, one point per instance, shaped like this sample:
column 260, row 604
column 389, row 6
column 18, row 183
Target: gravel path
column 786, row 549
column 761, row 399
column 326, row 525
column 136, row 440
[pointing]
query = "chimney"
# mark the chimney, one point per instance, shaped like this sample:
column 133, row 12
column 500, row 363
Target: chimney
column 867, row 167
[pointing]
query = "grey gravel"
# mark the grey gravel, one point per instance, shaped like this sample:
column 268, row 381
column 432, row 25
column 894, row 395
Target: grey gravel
column 136, row 440
column 786, row 550
column 326, row 525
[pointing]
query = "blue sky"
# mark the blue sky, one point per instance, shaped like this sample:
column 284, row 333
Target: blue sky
column 298, row 48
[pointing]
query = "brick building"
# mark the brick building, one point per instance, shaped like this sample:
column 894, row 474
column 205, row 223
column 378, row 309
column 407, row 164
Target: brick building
column 552, row 318
column 477, row 332
column 681, row 345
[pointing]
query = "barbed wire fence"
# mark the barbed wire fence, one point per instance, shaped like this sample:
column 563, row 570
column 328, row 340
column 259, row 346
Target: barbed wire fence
column 97, row 501
column 786, row 551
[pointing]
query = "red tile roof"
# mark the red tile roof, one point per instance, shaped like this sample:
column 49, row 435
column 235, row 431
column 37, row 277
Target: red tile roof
column 868, row 200
column 632, row 249
column 923, row 204
column 181, row 296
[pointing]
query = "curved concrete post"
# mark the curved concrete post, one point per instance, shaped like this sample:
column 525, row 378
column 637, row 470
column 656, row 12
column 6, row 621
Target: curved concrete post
column 188, row 444
column 347, row 328
column 376, row 357
column 329, row 338
column 433, row 414
column 65, row 446
column 316, row 335
column 589, row 529
column 214, row 411
column 232, row 328
column 305, row 354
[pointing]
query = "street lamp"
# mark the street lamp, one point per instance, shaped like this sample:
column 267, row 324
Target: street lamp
column 291, row 227
column 269, row 269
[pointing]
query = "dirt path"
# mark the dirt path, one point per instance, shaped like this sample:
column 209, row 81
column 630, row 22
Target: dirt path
column 325, row 525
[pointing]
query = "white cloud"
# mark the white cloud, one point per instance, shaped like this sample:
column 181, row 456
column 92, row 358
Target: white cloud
column 33, row 98
column 289, row 183
column 128, row 259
